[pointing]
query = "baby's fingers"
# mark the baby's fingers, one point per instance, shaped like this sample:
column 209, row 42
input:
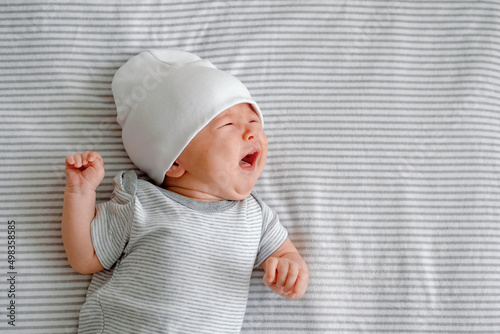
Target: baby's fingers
column 95, row 157
column 89, row 156
column 300, row 285
column 74, row 160
column 291, row 279
column 281, row 278
column 70, row 160
column 270, row 269
column 84, row 159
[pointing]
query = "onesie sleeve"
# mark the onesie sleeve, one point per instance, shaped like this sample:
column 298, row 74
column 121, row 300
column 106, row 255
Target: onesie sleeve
column 110, row 228
column 273, row 234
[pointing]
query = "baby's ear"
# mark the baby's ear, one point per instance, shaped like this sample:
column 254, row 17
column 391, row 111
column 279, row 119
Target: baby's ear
column 175, row 171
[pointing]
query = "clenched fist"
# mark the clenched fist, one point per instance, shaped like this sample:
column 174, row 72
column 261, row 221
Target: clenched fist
column 287, row 273
column 84, row 171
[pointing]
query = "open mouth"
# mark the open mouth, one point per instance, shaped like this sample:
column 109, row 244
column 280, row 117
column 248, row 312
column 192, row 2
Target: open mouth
column 249, row 160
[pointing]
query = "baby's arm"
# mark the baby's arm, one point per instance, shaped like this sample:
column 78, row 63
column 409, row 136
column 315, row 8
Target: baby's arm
column 84, row 172
column 286, row 272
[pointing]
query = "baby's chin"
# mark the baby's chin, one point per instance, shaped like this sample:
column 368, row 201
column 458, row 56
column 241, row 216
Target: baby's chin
column 238, row 197
column 239, row 193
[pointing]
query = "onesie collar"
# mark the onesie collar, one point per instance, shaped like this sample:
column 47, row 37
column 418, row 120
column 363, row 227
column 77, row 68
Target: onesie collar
column 207, row 207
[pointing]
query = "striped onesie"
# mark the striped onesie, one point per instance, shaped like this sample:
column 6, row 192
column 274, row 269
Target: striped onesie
column 174, row 264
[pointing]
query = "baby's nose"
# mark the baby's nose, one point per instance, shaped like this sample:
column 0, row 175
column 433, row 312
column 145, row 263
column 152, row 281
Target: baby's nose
column 249, row 134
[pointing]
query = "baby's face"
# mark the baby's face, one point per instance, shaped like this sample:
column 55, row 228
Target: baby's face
column 227, row 156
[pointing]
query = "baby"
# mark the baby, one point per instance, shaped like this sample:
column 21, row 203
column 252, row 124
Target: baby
column 177, row 256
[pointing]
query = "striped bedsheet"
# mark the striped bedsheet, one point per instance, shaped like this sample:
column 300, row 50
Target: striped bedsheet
column 383, row 120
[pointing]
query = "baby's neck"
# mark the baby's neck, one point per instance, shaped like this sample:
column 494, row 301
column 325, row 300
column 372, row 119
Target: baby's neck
column 197, row 195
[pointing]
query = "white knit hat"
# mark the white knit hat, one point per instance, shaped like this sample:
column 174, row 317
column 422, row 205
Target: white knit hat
column 164, row 98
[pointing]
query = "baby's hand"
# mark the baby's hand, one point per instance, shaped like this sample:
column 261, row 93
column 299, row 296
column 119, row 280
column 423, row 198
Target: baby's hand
column 286, row 277
column 84, row 171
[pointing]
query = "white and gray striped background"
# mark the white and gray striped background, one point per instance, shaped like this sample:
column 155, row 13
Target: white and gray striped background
column 383, row 120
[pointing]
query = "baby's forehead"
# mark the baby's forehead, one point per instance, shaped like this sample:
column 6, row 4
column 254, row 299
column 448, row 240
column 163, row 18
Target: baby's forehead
column 241, row 108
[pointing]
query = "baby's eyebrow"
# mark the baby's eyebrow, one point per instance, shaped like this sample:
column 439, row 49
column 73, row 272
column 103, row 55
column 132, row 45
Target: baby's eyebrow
column 224, row 115
column 218, row 119
column 221, row 118
column 256, row 115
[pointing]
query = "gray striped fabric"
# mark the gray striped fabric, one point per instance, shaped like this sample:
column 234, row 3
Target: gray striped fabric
column 384, row 162
column 186, row 265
